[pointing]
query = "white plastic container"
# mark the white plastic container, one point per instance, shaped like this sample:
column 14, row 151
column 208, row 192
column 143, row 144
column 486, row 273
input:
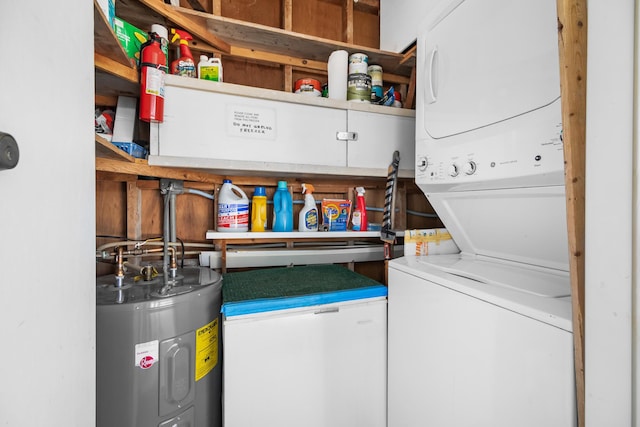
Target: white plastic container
column 210, row 69
column 308, row 216
column 233, row 208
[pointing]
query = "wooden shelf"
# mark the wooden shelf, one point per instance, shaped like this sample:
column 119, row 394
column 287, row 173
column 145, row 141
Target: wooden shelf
column 246, row 40
column 261, row 38
column 115, row 74
column 106, row 43
column 140, row 167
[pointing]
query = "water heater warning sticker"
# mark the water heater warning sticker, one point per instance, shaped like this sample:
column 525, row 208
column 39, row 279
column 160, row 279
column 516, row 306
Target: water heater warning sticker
column 206, row 349
column 146, row 354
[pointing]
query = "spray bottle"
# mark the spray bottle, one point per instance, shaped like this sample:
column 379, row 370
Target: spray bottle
column 359, row 218
column 308, row 217
column 184, row 65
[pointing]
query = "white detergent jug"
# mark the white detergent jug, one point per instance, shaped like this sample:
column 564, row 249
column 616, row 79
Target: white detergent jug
column 233, row 208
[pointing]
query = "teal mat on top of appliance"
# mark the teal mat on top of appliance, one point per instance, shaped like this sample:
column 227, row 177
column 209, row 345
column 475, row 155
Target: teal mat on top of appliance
column 271, row 289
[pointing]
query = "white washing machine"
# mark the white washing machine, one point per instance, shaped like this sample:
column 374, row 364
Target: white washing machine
column 484, row 337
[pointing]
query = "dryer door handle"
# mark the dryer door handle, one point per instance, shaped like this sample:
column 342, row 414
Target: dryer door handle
column 432, row 96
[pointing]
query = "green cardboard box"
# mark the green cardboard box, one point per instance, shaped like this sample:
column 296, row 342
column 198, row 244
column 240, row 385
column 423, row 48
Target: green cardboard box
column 130, row 37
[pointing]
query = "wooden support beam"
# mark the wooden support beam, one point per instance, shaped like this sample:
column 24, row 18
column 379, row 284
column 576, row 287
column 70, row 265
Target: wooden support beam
column 197, row 27
column 287, row 15
column 134, row 215
column 288, row 78
column 287, row 19
column 572, row 42
column 411, row 91
column 258, row 55
column 134, row 211
column 347, row 22
column 143, row 169
column 366, row 6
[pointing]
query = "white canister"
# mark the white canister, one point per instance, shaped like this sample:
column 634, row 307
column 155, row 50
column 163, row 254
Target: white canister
column 358, row 63
column 359, row 87
column 337, row 68
column 375, row 71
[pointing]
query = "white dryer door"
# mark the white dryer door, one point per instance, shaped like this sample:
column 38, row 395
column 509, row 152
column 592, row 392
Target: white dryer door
column 485, row 61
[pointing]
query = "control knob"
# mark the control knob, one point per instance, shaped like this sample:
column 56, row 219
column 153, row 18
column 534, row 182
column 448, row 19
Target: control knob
column 422, row 163
column 453, row 170
column 469, row 168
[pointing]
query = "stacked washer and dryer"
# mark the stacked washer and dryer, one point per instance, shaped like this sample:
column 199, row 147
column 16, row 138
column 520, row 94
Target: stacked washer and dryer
column 484, row 337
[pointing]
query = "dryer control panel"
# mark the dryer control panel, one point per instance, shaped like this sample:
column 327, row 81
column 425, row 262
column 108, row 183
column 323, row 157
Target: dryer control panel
column 523, row 151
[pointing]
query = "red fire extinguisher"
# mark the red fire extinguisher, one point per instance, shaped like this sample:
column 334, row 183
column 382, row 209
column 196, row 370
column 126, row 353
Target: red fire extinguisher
column 153, row 67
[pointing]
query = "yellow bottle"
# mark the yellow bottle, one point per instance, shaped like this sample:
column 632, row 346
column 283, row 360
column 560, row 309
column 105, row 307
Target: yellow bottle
column 259, row 210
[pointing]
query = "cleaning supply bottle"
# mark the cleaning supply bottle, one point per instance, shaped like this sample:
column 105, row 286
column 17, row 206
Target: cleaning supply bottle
column 282, row 208
column 233, row 208
column 359, row 217
column 210, row 69
column 184, row 65
column 259, row 210
column 308, row 217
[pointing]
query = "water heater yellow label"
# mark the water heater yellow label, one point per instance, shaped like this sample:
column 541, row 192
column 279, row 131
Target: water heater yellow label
column 206, row 349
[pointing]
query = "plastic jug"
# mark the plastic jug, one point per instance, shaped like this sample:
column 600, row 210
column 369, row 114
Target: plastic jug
column 210, row 69
column 282, row 208
column 233, row 208
column 259, row 210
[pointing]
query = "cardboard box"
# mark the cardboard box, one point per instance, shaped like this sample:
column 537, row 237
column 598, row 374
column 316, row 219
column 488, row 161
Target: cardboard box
column 125, row 121
column 336, row 214
column 130, row 37
column 433, row 241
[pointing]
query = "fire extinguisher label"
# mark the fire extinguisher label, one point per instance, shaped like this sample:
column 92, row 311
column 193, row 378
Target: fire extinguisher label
column 154, row 85
column 146, row 354
column 206, row 349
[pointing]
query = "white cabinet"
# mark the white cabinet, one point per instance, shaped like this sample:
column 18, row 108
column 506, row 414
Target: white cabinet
column 317, row 366
column 379, row 135
column 235, row 128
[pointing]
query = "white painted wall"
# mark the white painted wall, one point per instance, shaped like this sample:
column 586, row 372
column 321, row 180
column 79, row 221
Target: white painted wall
column 610, row 339
column 47, row 215
column 401, row 21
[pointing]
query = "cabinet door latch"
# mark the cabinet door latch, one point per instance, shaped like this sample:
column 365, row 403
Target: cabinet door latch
column 347, row 136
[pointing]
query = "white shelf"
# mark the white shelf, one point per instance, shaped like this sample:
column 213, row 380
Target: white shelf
column 275, row 235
